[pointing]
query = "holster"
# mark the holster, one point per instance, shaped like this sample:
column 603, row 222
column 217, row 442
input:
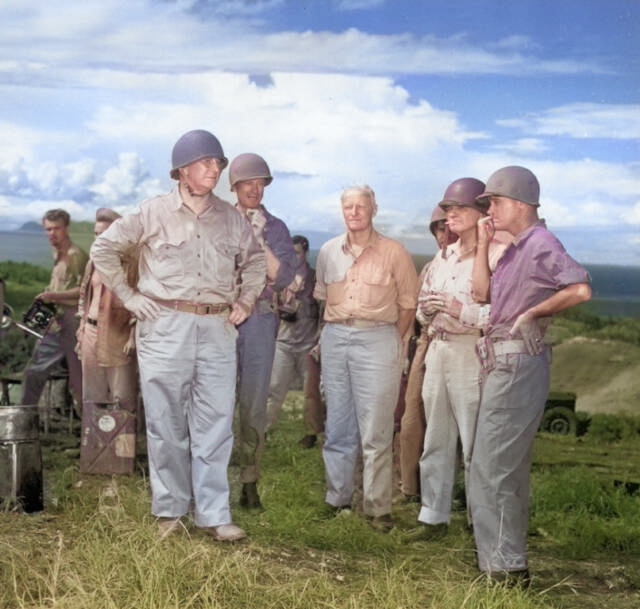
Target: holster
column 486, row 353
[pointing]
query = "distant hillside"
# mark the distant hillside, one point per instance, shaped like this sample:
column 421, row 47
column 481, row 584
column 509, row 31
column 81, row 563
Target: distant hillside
column 604, row 374
column 30, row 227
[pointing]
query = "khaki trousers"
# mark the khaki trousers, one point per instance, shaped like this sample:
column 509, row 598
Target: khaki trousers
column 412, row 424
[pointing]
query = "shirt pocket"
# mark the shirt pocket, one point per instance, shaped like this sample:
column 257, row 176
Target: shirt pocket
column 225, row 257
column 376, row 284
column 169, row 260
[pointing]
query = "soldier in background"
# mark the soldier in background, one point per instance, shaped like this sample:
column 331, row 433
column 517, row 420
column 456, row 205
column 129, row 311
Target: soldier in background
column 298, row 331
column 106, row 336
column 63, row 291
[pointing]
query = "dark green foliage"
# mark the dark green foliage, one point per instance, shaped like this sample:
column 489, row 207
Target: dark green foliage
column 578, row 321
column 612, row 428
column 24, row 273
column 583, row 422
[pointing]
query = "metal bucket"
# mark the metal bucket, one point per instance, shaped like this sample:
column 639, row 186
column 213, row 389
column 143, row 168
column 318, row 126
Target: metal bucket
column 20, row 459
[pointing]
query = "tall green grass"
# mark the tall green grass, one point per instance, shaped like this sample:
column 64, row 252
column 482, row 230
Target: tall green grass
column 95, row 545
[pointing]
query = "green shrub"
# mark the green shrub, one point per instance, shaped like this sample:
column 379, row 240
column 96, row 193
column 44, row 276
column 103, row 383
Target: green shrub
column 24, row 273
column 583, row 422
column 578, row 321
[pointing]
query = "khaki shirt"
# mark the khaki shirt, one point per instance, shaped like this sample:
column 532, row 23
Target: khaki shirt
column 68, row 269
column 373, row 286
column 212, row 258
column 452, row 275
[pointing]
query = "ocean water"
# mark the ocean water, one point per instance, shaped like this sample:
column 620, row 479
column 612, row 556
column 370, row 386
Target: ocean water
column 26, row 247
column 616, row 289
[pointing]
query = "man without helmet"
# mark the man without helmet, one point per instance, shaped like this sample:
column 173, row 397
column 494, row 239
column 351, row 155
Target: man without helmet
column 63, row 291
column 201, row 271
column 369, row 285
column 534, row 279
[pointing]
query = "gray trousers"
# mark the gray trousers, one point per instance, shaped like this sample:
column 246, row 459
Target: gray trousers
column 187, row 375
column 47, row 356
column 361, row 370
column 256, row 348
column 513, row 398
column 289, row 364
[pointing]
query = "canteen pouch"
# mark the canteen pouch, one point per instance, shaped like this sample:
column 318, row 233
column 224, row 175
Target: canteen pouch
column 484, row 349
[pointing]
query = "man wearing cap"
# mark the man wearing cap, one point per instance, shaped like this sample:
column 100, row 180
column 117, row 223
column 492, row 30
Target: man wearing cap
column 298, row 331
column 201, row 271
column 249, row 174
column 534, row 279
column 451, row 390
column 412, row 423
column 369, row 285
column 106, row 342
column 63, row 291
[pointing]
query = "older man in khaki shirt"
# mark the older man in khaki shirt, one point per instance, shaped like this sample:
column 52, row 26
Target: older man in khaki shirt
column 369, row 284
column 201, row 271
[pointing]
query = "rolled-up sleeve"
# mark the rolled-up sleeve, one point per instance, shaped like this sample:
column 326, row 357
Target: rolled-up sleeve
column 406, row 279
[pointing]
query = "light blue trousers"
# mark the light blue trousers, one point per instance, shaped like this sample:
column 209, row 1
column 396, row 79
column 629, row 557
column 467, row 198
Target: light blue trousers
column 187, row 375
column 511, row 406
column 361, row 370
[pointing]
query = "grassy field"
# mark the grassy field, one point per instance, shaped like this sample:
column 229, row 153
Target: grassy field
column 95, row 544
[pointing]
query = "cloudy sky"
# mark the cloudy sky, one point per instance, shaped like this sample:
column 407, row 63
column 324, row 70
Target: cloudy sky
column 405, row 95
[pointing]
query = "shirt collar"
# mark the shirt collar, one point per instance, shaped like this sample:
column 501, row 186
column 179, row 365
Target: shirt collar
column 527, row 232
column 176, row 201
column 346, row 244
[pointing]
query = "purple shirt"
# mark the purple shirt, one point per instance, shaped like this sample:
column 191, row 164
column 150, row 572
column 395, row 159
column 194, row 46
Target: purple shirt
column 533, row 267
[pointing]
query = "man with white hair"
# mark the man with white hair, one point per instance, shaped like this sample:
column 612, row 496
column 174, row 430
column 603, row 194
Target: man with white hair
column 369, row 285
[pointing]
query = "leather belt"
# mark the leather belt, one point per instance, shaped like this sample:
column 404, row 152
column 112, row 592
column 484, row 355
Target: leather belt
column 93, row 322
column 198, row 308
column 362, row 323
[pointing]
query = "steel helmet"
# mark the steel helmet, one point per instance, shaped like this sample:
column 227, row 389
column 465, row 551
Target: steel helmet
column 464, row 192
column 437, row 215
column 514, row 182
column 249, row 166
column 193, row 146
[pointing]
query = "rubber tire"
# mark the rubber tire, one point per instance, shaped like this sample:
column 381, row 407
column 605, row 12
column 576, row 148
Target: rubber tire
column 559, row 420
